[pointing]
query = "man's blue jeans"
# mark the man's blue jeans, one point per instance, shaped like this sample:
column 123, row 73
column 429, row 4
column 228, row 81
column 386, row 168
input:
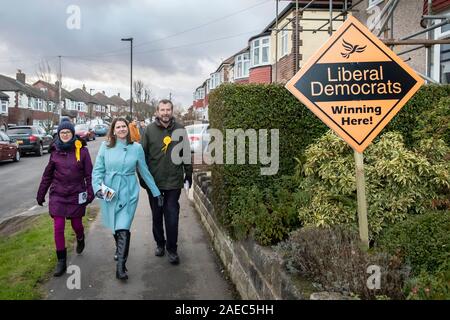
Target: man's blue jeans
column 169, row 213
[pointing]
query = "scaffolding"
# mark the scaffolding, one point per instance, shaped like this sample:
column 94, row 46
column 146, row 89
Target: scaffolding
column 385, row 20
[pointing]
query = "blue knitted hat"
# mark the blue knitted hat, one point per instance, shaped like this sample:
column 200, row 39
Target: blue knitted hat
column 66, row 124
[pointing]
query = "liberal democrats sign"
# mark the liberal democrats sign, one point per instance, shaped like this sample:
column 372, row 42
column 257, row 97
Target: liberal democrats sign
column 355, row 84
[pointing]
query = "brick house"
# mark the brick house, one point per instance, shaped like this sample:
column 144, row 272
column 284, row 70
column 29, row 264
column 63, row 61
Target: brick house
column 240, row 67
column 107, row 105
column 70, row 106
column 27, row 105
column 122, row 107
column 87, row 102
column 4, row 104
column 277, row 49
column 433, row 61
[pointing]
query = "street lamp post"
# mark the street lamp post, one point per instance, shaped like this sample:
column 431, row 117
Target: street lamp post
column 131, row 76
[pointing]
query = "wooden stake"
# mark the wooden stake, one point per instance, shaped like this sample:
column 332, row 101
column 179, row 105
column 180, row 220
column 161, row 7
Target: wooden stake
column 362, row 203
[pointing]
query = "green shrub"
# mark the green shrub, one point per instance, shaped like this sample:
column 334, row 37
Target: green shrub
column 398, row 181
column 268, row 215
column 422, row 241
column 435, row 122
column 415, row 113
column 427, row 286
column 333, row 259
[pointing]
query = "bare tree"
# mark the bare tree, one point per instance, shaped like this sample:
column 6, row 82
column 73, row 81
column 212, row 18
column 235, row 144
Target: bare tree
column 142, row 92
column 44, row 73
column 145, row 104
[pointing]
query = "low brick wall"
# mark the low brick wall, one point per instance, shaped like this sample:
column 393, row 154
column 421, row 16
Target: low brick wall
column 256, row 271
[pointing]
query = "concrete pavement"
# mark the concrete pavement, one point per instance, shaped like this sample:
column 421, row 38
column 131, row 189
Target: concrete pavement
column 198, row 276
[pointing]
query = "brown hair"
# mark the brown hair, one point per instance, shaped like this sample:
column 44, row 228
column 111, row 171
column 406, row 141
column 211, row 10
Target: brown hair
column 165, row 101
column 112, row 138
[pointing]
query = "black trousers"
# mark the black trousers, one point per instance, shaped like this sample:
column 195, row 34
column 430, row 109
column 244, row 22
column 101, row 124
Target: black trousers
column 169, row 214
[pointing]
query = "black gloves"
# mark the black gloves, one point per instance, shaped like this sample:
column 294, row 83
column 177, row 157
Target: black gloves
column 160, row 199
column 188, row 178
column 40, row 201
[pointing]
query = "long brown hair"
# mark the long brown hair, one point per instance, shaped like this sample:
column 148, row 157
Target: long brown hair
column 112, row 138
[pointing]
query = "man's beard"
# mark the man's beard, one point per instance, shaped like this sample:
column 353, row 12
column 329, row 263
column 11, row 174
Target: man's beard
column 165, row 121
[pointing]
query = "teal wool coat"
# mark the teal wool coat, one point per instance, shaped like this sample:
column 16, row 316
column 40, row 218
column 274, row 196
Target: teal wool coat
column 116, row 168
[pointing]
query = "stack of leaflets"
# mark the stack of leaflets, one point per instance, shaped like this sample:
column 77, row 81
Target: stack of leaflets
column 108, row 193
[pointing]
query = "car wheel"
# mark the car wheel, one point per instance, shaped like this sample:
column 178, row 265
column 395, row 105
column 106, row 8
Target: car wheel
column 17, row 157
column 40, row 152
column 94, row 136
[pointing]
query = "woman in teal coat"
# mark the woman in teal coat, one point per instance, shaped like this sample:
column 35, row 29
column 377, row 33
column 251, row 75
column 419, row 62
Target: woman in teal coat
column 115, row 168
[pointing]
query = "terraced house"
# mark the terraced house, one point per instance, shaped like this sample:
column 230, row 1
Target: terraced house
column 26, row 105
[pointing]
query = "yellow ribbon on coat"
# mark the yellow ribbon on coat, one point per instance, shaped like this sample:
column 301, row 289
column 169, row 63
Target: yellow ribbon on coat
column 167, row 140
column 78, row 146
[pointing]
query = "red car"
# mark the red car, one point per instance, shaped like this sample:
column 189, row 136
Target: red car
column 84, row 132
column 9, row 150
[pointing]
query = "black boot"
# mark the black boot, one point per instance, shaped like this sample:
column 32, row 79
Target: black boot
column 116, row 254
column 80, row 245
column 61, row 265
column 123, row 246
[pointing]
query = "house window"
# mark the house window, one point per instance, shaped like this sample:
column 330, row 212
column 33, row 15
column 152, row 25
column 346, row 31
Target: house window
column 242, row 65
column 215, row 80
column 40, row 105
column 260, row 49
column 441, row 57
column 373, row 3
column 284, row 43
column 3, row 106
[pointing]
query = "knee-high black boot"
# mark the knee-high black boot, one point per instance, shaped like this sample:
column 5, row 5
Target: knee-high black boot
column 116, row 254
column 62, row 263
column 123, row 246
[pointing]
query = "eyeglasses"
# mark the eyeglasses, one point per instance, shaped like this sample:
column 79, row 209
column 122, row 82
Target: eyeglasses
column 65, row 132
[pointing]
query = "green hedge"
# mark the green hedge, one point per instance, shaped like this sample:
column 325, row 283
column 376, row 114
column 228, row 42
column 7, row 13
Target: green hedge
column 423, row 241
column 255, row 106
column 409, row 117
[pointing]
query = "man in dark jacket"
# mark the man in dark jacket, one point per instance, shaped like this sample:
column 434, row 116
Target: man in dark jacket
column 158, row 142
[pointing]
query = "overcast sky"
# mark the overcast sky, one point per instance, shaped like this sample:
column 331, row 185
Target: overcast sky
column 176, row 41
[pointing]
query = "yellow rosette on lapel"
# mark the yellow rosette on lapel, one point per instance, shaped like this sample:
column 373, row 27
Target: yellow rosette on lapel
column 78, row 146
column 167, row 140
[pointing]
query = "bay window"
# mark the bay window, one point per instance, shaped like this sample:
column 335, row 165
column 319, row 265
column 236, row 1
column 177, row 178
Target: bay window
column 242, row 66
column 260, row 49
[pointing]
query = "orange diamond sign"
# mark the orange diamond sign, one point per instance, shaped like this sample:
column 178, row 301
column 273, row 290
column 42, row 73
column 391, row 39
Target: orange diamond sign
column 355, row 84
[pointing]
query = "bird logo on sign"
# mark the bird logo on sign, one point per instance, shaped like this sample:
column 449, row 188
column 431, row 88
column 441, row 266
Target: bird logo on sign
column 351, row 49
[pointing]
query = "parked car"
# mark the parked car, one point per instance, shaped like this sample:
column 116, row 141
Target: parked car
column 54, row 131
column 31, row 139
column 9, row 150
column 101, row 130
column 198, row 137
column 84, row 132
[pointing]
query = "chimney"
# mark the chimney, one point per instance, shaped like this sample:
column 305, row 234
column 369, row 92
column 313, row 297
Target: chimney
column 20, row 76
column 118, row 94
column 103, row 92
column 84, row 87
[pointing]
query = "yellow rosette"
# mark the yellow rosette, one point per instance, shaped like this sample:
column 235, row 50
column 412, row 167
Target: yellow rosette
column 167, row 140
column 78, row 146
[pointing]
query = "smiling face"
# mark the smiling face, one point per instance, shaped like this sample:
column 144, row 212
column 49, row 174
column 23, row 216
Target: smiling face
column 121, row 130
column 165, row 112
column 65, row 135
